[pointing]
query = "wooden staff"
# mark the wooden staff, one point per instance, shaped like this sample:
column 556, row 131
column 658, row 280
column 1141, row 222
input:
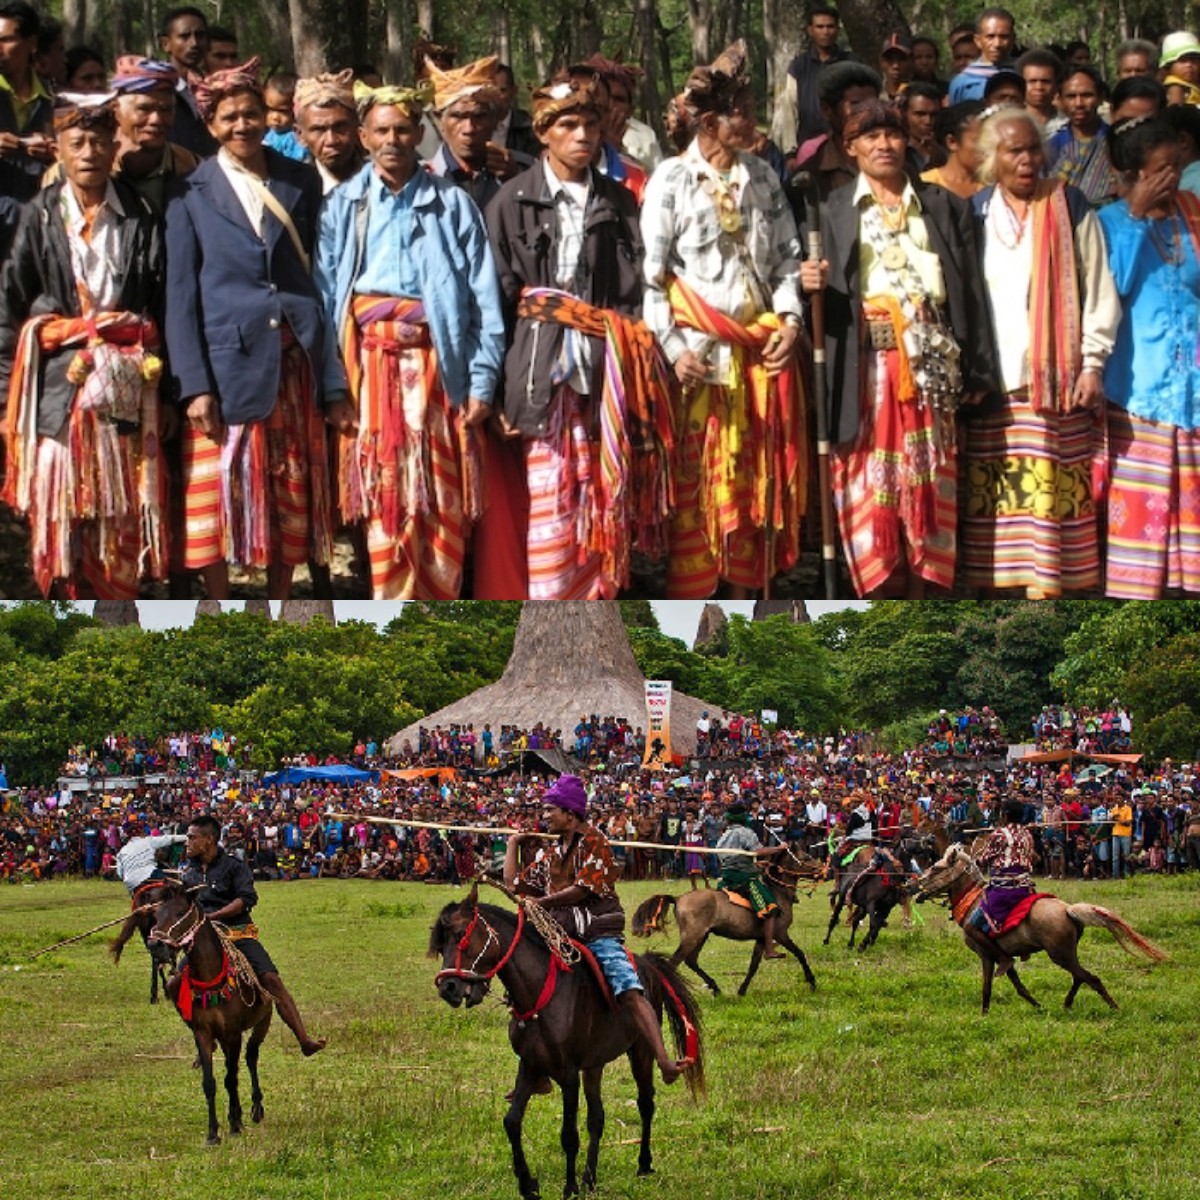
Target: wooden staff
column 107, row 925
column 504, row 831
column 816, row 252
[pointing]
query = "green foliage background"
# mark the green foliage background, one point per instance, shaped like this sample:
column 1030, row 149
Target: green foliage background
column 65, row 680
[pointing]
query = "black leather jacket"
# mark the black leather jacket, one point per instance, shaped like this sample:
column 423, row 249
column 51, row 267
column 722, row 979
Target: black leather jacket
column 38, row 279
column 524, row 236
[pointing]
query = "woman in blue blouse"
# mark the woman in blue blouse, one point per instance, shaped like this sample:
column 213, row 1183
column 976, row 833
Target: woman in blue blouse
column 1153, row 377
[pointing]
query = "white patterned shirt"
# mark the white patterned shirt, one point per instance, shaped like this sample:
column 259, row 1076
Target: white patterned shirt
column 683, row 237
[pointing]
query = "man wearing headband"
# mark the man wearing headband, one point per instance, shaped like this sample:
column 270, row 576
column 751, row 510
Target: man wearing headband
column 467, row 107
column 907, row 344
column 414, row 342
column 567, row 245
column 79, row 298
column 245, row 331
column 609, row 159
column 720, row 269
column 327, row 124
column 146, row 159
column 740, row 873
column 575, row 881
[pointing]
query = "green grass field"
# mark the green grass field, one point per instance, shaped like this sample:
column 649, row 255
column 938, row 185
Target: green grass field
column 885, row 1082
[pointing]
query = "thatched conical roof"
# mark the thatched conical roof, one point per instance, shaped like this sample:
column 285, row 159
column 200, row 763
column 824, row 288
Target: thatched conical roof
column 117, row 612
column 300, row 612
column 261, row 608
column 569, row 658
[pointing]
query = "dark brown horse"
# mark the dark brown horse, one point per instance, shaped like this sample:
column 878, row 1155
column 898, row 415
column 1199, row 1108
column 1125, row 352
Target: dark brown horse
column 141, row 920
column 871, row 886
column 218, row 999
column 1052, row 925
column 701, row 914
column 562, row 1028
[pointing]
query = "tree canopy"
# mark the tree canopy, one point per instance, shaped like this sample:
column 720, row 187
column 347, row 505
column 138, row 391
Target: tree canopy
column 284, row 688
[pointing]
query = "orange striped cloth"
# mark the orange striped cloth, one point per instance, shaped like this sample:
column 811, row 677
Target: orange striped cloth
column 741, row 463
column 626, row 500
column 96, row 494
column 261, row 496
column 411, row 472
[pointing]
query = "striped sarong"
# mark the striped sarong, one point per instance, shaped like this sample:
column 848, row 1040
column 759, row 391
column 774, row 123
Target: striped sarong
column 1029, row 510
column 96, row 493
column 611, row 491
column 894, row 489
column 559, row 472
column 1153, row 507
column 411, row 473
column 261, row 495
column 740, row 467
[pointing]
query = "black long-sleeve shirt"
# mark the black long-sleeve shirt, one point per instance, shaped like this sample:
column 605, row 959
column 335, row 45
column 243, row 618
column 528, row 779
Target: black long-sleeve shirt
column 224, row 880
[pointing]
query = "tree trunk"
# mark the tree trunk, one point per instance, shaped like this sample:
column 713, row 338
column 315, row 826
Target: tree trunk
column 502, row 35
column 279, row 32
column 730, row 27
column 784, row 32
column 700, row 19
column 868, row 23
column 397, row 64
column 647, row 16
column 75, row 20
column 150, row 30
column 537, row 43
column 425, row 17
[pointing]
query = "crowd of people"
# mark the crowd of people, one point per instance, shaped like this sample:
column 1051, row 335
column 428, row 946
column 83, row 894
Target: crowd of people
column 504, row 352
column 799, row 788
column 968, row 732
column 1088, row 730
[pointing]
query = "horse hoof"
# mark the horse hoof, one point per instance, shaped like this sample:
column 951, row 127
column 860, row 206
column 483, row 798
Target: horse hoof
column 256, row 1113
column 644, row 1171
column 214, row 1140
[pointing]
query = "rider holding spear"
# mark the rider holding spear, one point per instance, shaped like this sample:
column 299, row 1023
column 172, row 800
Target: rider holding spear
column 740, row 872
column 575, row 880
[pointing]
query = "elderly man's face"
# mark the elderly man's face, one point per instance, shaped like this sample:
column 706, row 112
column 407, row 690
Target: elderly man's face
column 468, row 127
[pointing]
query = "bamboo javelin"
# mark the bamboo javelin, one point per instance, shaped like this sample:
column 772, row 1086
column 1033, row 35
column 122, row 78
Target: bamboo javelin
column 107, row 925
column 506, row 832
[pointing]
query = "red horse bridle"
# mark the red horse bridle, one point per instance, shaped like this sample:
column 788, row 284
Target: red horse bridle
column 474, row 975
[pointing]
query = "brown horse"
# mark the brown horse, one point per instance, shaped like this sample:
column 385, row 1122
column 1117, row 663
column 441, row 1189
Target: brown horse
column 562, row 1027
column 218, row 999
column 701, row 914
column 141, row 920
column 1052, row 926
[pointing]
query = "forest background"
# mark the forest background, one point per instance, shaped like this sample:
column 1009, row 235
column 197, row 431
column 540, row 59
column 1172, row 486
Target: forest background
column 663, row 37
column 66, row 680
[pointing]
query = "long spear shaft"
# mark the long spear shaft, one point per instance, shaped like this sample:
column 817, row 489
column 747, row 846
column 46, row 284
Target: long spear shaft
column 107, row 925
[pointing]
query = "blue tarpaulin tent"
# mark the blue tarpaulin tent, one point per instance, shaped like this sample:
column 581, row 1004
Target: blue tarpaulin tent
column 333, row 773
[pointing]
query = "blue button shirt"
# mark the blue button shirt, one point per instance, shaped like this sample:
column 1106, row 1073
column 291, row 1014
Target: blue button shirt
column 388, row 267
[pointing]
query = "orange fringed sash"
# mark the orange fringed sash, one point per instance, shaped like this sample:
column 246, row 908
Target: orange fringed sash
column 633, row 501
column 1055, row 316
column 98, row 474
column 387, row 467
column 768, row 414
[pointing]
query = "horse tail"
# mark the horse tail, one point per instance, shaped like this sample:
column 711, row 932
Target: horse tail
column 653, row 915
column 667, row 990
column 1128, row 938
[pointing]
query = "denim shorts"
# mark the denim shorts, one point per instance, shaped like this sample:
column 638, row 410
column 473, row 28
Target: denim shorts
column 614, row 962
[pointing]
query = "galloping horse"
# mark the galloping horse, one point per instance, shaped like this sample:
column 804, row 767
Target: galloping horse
column 870, row 891
column 219, row 1000
column 1051, row 925
column 562, row 1027
column 141, row 920
column 703, row 913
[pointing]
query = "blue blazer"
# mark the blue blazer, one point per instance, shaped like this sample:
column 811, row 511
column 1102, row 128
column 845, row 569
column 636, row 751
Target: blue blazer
column 228, row 293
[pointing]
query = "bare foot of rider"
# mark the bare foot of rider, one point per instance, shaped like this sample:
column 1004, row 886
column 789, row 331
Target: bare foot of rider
column 311, row 1046
column 673, row 1069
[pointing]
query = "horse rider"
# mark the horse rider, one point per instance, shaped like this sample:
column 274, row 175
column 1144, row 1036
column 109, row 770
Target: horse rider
column 226, row 894
column 1009, row 853
column 860, row 832
column 741, row 873
column 575, row 881
column 137, row 860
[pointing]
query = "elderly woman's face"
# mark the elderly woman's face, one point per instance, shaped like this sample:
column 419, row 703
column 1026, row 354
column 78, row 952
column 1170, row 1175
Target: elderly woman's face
column 1019, row 158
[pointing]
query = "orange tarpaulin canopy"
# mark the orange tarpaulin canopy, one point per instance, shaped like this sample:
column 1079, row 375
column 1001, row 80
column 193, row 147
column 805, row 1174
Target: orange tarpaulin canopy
column 1056, row 756
column 443, row 774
